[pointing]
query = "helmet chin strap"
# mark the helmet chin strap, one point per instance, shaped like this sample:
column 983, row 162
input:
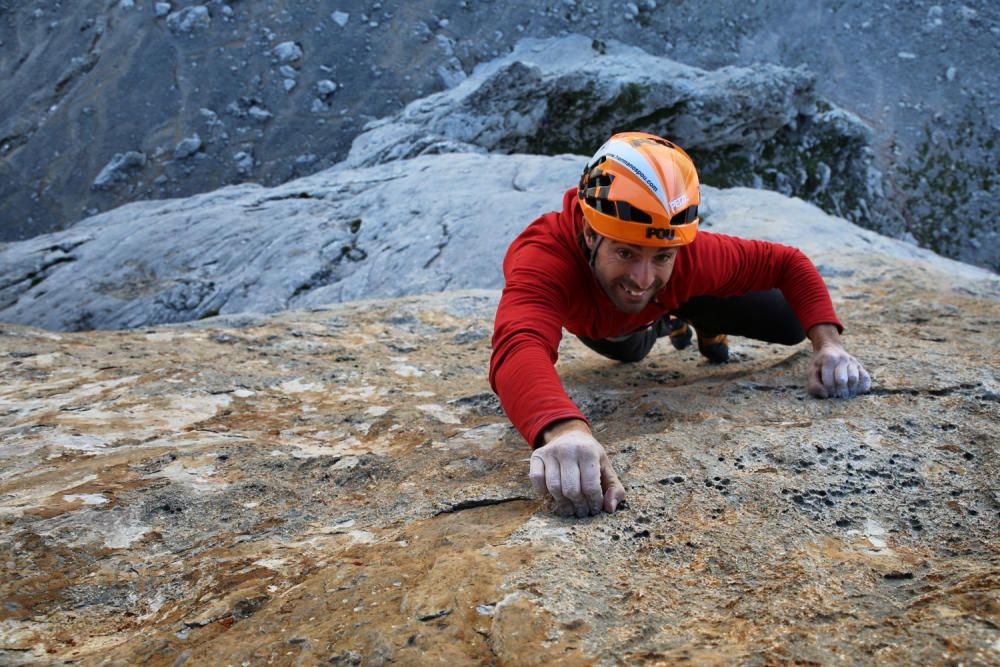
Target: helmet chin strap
column 593, row 251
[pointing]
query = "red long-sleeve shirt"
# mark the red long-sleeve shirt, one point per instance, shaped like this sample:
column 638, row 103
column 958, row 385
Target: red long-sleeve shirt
column 551, row 286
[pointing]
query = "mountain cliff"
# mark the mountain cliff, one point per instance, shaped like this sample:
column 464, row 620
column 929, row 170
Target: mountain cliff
column 120, row 100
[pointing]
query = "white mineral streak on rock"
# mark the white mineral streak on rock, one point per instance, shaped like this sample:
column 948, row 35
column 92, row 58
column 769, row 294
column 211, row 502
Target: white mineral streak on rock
column 78, row 442
column 485, row 437
column 162, row 415
column 376, row 410
column 406, row 371
column 243, row 393
column 198, row 479
column 875, row 534
column 540, row 530
column 115, row 528
column 122, row 536
column 86, row 498
column 346, row 463
column 439, row 413
column 296, row 386
column 361, row 537
column 306, row 449
column 362, row 393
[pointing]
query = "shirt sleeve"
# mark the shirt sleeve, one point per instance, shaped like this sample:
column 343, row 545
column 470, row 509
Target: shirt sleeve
column 730, row 266
column 526, row 337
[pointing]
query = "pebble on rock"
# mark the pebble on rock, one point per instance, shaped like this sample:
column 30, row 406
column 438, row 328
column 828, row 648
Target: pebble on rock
column 244, row 162
column 116, row 170
column 187, row 147
column 189, row 19
column 288, row 52
column 259, row 114
column 325, row 87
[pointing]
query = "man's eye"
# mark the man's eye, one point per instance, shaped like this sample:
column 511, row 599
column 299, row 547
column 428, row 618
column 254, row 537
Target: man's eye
column 663, row 259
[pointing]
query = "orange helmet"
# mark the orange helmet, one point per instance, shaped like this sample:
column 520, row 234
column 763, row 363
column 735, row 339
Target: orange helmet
column 641, row 189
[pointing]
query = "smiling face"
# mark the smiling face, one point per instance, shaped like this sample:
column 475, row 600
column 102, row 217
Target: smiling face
column 630, row 275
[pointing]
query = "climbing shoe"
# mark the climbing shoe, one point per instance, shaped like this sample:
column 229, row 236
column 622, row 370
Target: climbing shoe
column 714, row 348
column 679, row 332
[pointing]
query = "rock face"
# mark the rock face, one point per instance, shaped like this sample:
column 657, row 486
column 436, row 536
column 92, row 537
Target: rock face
column 84, row 83
column 416, row 226
column 340, row 486
column 760, row 127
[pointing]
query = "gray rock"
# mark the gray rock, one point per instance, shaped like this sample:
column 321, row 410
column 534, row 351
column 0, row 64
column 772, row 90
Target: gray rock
column 340, row 18
column 761, row 126
column 425, row 224
column 244, row 162
column 259, row 114
column 118, row 169
column 187, row 147
column 190, row 19
column 288, row 52
column 325, row 88
column 161, row 9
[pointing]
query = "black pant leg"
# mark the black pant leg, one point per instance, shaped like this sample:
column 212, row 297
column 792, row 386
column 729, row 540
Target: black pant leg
column 633, row 347
column 762, row 316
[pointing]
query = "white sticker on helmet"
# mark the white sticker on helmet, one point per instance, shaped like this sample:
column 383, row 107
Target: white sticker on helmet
column 624, row 153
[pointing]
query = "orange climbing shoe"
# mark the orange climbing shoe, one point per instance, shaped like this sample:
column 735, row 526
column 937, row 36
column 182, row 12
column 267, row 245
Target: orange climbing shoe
column 714, row 348
column 680, row 333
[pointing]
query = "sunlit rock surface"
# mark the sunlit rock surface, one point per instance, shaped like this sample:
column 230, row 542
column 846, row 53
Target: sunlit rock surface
column 339, row 486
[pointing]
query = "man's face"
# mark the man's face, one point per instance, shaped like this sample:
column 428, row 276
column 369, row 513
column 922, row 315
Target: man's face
column 631, row 275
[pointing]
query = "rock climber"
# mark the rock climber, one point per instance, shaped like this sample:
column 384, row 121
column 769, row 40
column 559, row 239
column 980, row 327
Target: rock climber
column 622, row 265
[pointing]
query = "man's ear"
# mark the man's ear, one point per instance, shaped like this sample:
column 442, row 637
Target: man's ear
column 589, row 237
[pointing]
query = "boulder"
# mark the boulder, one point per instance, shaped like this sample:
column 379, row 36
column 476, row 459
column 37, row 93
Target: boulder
column 761, row 126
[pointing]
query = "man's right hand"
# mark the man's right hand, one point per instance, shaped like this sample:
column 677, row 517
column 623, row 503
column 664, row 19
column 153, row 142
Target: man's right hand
column 574, row 469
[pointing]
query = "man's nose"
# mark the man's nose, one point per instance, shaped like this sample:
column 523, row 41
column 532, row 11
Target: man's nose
column 642, row 274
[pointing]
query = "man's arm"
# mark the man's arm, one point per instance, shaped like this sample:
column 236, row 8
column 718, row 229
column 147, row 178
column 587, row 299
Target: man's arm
column 834, row 373
column 575, row 470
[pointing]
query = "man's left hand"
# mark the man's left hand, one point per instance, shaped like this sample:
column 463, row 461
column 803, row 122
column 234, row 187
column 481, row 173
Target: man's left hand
column 834, row 373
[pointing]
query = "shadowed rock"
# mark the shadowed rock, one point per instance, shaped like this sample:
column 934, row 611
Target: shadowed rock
column 761, row 126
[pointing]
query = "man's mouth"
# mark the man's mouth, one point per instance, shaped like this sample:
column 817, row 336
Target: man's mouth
column 634, row 292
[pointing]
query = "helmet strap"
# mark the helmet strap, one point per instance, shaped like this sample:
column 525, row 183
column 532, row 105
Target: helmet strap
column 593, row 251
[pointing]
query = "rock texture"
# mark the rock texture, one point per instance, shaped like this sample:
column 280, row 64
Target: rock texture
column 762, row 126
column 417, row 226
column 340, row 486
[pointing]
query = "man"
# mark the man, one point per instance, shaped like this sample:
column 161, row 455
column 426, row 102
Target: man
column 622, row 264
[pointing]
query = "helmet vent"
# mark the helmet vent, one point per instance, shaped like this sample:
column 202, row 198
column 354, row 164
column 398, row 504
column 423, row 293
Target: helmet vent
column 628, row 212
column 685, row 216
